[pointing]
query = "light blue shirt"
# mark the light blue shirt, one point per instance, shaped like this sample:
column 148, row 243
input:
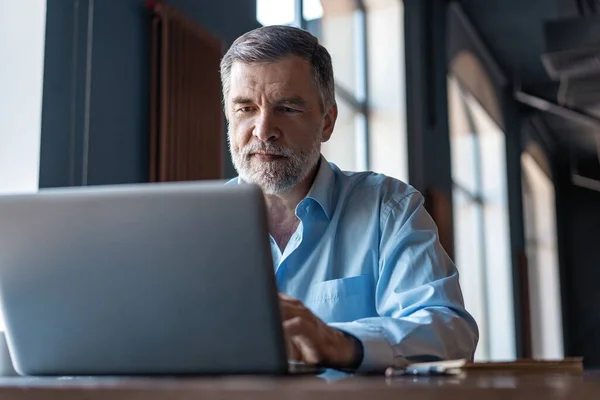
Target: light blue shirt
column 366, row 259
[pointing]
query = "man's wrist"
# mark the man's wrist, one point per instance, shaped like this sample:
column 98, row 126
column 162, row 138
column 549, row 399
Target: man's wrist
column 357, row 351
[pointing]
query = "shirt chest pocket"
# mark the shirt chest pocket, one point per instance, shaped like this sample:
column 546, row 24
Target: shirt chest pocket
column 342, row 300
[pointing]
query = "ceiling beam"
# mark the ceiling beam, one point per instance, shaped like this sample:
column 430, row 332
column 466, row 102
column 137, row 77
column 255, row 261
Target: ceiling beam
column 558, row 110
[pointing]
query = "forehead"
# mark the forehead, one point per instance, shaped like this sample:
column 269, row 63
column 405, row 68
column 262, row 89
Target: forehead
column 289, row 76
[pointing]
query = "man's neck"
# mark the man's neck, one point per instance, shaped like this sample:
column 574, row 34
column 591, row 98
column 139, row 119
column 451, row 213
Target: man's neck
column 281, row 208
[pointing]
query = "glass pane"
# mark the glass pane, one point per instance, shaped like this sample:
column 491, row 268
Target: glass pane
column 22, row 36
column 468, row 257
column 462, row 140
column 338, row 35
column 544, row 280
column 492, row 156
column 341, row 149
column 479, row 166
column 275, row 12
column 312, row 9
column 386, row 77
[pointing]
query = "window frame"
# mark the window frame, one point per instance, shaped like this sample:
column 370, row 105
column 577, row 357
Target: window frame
column 477, row 192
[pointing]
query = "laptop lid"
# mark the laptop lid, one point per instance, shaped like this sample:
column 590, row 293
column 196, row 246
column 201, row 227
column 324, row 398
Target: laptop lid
column 170, row 278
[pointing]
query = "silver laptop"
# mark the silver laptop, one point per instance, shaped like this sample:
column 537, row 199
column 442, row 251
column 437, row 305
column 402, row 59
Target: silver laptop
column 172, row 278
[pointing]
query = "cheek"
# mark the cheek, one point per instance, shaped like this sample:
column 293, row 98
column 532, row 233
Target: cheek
column 239, row 134
column 308, row 134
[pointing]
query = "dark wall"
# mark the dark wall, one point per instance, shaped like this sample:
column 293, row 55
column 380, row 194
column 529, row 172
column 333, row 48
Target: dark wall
column 427, row 110
column 96, row 85
column 578, row 225
column 225, row 18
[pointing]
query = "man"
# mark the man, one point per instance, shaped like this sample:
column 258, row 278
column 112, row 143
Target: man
column 367, row 284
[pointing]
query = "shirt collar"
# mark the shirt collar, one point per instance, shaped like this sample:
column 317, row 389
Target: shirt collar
column 321, row 190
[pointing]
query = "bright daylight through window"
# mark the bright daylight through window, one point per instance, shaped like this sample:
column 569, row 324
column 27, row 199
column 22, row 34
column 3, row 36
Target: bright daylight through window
column 370, row 132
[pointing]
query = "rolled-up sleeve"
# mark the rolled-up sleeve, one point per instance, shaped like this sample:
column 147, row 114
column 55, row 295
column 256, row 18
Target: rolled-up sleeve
column 420, row 307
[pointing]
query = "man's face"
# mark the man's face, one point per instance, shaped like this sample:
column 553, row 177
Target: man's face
column 276, row 122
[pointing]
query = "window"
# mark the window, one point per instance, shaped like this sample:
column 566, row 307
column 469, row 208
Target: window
column 22, row 36
column 21, row 77
column 544, row 283
column 365, row 40
column 481, row 222
column 284, row 12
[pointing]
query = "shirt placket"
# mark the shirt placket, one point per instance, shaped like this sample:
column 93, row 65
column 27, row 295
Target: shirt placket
column 293, row 243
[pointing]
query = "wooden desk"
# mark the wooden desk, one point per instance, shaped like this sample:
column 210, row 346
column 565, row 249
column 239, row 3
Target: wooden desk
column 488, row 386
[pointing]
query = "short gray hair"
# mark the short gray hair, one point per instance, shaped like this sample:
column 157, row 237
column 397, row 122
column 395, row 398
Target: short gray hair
column 272, row 43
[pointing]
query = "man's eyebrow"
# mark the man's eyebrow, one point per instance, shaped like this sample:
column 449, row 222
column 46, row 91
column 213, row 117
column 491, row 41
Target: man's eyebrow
column 295, row 101
column 241, row 100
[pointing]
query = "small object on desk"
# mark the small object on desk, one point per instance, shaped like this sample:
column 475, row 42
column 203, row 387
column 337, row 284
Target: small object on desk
column 420, row 371
column 439, row 368
column 455, row 367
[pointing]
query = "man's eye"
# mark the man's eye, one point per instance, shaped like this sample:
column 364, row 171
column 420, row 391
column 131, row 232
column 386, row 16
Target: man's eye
column 245, row 109
column 288, row 110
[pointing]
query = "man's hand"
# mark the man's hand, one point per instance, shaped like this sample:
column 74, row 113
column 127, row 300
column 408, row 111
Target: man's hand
column 310, row 340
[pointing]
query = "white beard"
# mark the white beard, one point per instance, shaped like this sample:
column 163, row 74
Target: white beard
column 278, row 176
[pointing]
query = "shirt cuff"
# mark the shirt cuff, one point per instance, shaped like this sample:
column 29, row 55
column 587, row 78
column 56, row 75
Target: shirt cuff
column 378, row 354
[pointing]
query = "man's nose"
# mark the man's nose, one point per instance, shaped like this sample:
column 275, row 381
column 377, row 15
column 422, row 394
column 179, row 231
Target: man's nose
column 265, row 128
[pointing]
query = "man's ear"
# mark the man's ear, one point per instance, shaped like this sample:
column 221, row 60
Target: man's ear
column 330, row 118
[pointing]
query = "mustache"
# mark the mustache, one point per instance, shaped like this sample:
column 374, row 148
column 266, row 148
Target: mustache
column 274, row 149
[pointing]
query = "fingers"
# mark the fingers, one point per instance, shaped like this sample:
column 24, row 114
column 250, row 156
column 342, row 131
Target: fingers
column 290, row 312
column 293, row 352
column 307, row 336
column 284, row 296
column 301, row 341
column 310, row 340
column 309, row 353
column 291, row 308
column 296, row 326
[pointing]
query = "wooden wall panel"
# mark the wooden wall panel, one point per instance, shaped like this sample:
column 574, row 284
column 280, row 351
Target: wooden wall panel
column 186, row 134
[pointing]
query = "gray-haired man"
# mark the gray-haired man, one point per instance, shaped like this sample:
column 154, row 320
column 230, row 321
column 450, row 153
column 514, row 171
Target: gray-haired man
column 367, row 284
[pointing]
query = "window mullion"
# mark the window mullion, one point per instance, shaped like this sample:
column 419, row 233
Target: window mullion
column 362, row 85
column 299, row 19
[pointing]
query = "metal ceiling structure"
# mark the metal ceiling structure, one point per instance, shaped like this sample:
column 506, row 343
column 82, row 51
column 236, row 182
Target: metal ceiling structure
column 513, row 31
